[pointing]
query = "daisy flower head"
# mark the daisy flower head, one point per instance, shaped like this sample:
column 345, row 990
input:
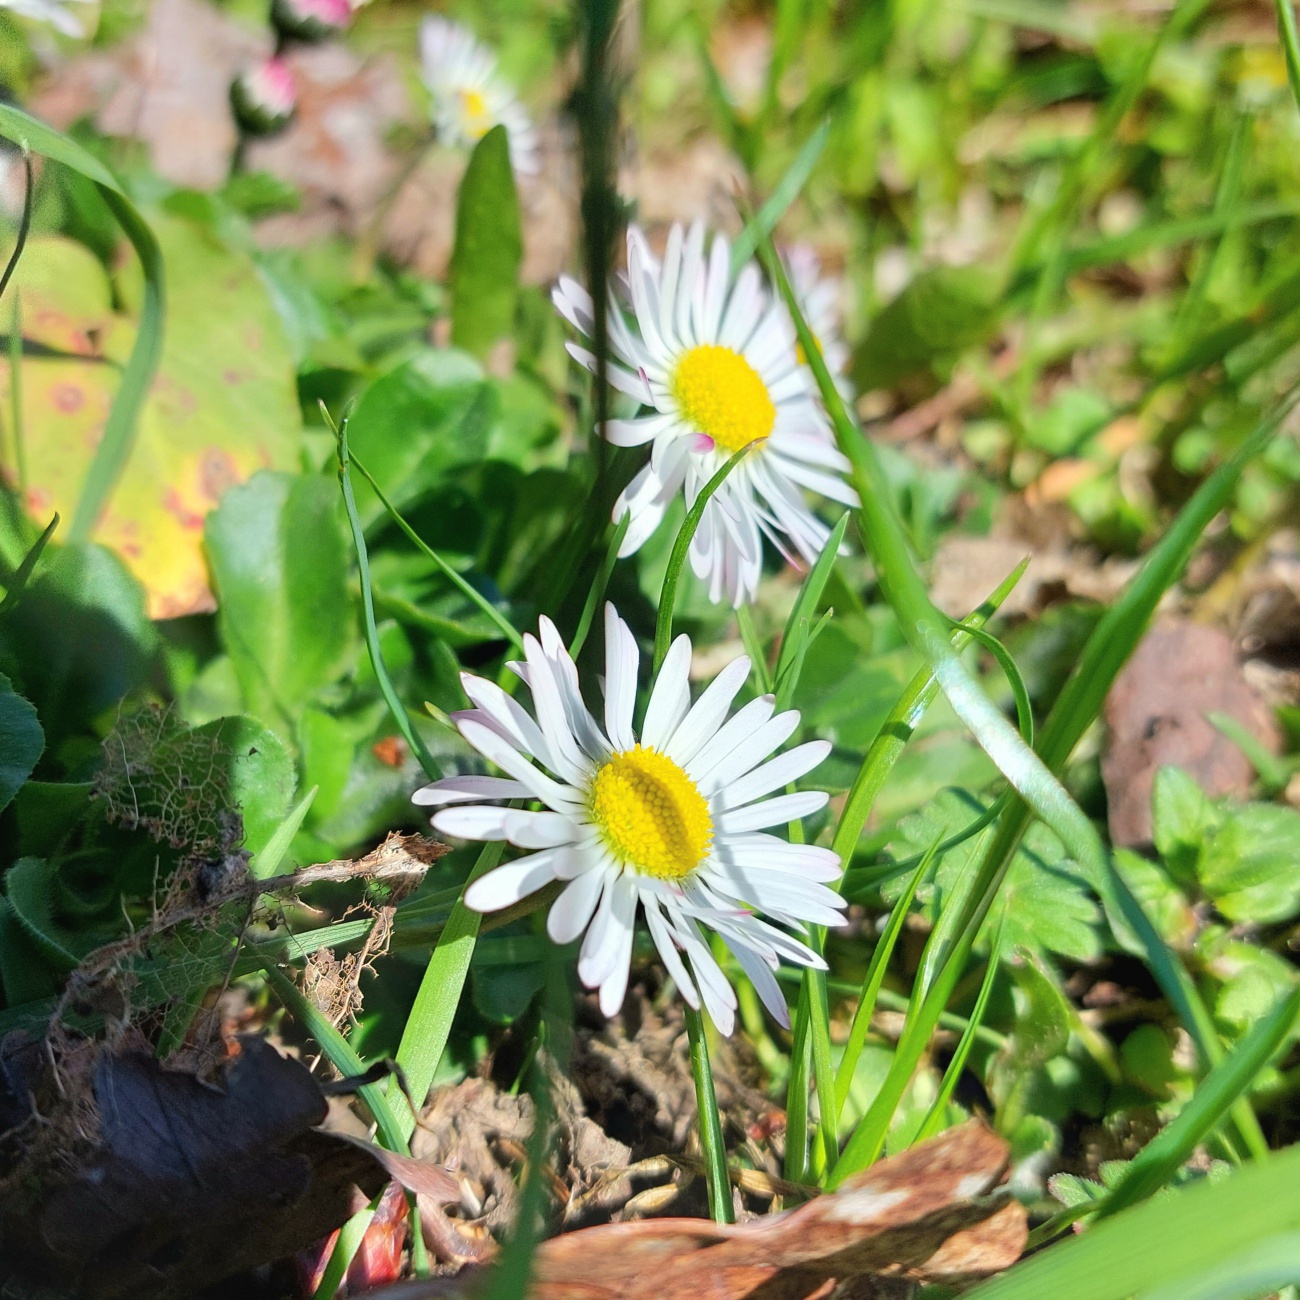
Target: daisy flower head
column 469, row 95
column 670, row 818
column 713, row 358
column 818, row 299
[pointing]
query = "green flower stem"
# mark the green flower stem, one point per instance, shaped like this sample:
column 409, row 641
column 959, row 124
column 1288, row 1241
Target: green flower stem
column 668, row 597
column 507, row 628
column 597, row 592
column 711, row 1141
column 386, row 687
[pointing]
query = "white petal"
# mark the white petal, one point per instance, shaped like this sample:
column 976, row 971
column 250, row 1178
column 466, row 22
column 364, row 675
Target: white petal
column 571, row 912
column 621, row 659
column 667, row 948
column 758, row 745
column 604, row 941
column 773, row 812
column 512, row 883
column 614, row 986
column 570, row 762
column 670, row 696
column 760, row 852
column 735, row 734
column 458, row 789
column 705, row 716
column 764, row 982
column 510, row 717
column 559, row 798
column 774, row 774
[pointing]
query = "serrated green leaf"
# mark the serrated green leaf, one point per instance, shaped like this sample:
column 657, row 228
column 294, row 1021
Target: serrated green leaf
column 1249, row 865
column 260, row 773
column 485, row 261
column 1182, row 816
column 1050, row 905
column 29, row 887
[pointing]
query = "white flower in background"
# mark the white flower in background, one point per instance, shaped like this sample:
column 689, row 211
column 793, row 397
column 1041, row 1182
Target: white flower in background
column 671, row 817
column 818, row 299
column 715, row 360
column 54, row 12
column 469, row 95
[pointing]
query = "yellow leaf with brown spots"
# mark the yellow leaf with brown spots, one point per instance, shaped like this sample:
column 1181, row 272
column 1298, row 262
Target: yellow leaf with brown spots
column 222, row 406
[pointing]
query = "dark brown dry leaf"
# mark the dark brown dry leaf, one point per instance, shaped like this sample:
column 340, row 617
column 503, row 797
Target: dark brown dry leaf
column 121, row 1178
column 1156, row 715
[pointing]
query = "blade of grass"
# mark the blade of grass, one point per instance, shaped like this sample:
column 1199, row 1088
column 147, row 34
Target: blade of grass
column 1112, row 641
column 267, row 862
column 24, row 223
column 16, row 392
column 706, row 1102
column 668, row 597
column 953, row 1073
column 1215, row 1094
column 765, row 220
column 22, row 575
column 386, row 687
column 114, row 446
column 873, row 979
column 424, row 1037
column 476, row 597
column 1286, row 31
column 597, row 592
column 799, row 624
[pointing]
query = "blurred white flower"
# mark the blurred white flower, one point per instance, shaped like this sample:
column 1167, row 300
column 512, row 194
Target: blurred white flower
column 54, row 12
column 671, row 817
column 818, row 299
column 469, row 95
column 715, row 359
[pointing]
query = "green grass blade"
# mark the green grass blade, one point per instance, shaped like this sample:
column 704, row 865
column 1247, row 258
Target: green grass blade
column 799, row 625
column 24, row 224
column 266, row 863
column 507, row 628
column 597, row 592
column 425, row 1035
column 1170, row 1241
column 873, row 979
column 386, row 687
column 668, row 597
column 16, row 391
column 22, row 575
column 953, row 1073
column 1287, row 34
column 1166, row 1153
column 119, row 430
column 764, row 221
column 711, row 1140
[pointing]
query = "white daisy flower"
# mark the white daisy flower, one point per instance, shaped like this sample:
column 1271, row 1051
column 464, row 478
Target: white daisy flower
column 671, row 817
column 469, row 96
column 818, row 299
column 714, row 358
column 54, row 12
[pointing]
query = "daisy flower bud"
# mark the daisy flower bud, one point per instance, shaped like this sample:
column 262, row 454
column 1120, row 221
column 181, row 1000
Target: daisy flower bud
column 311, row 20
column 264, row 97
column 670, row 818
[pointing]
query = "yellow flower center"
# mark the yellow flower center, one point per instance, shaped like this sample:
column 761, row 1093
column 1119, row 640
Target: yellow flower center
column 474, row 107
column 720, row 394
column 650, row 813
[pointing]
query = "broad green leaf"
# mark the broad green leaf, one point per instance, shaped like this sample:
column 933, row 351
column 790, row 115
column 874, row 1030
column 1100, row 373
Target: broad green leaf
column 938, row 314
column 223, row 404
column 30, row 888
column 279, row 564
column 21, row 741
column 259, row 773
column 485, row 260
column 1050, row 905
column 24, row 971
column 79, row 640
column 418, row 422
